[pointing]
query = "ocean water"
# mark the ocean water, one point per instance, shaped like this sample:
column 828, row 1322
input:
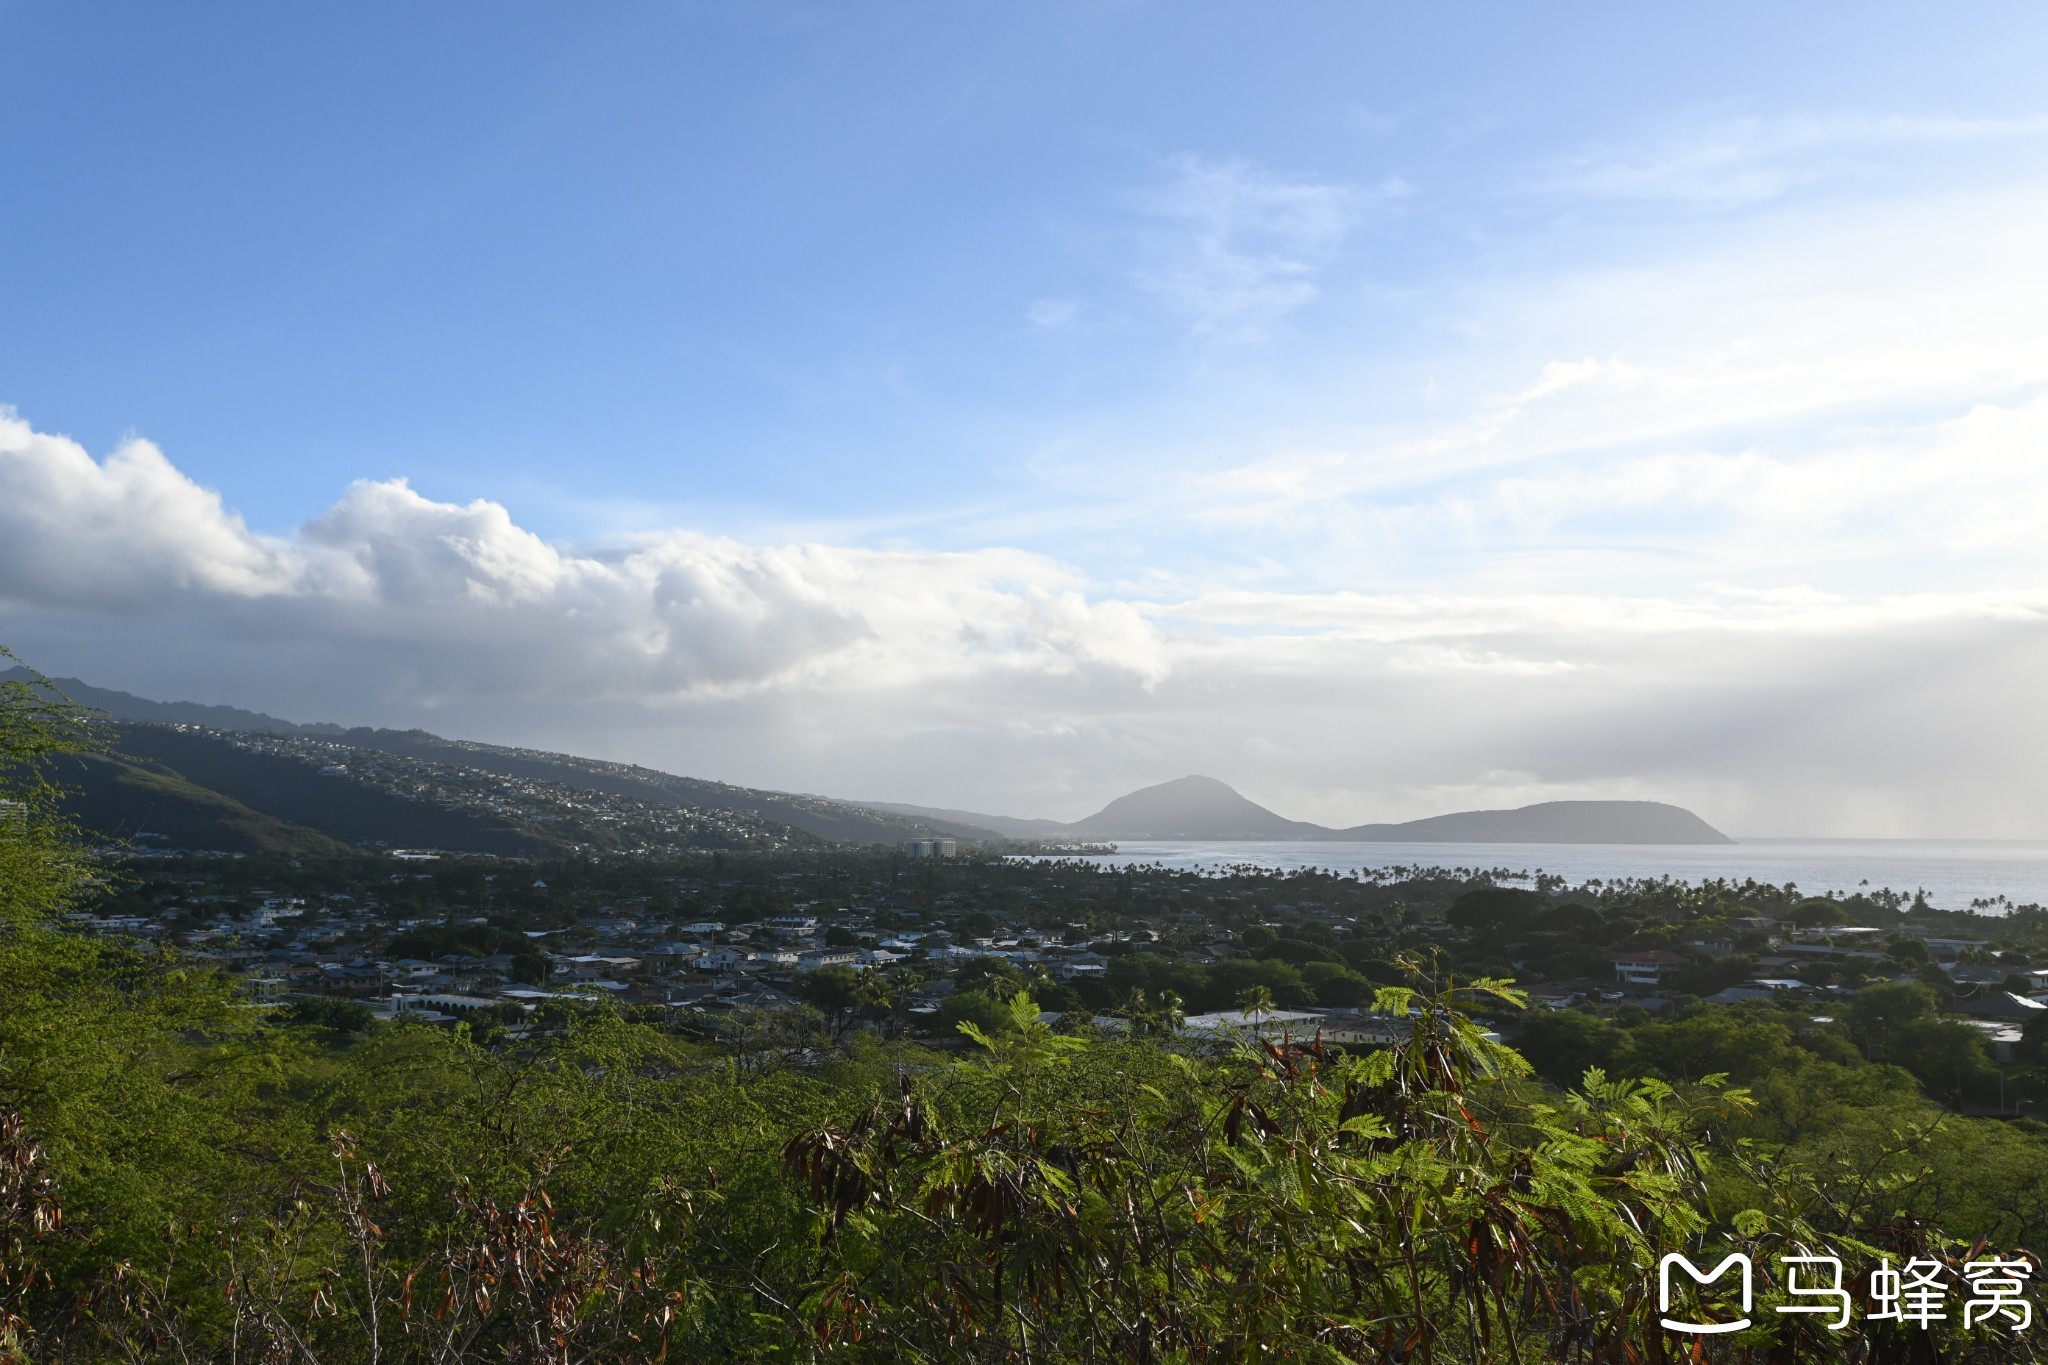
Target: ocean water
column 1953, row 874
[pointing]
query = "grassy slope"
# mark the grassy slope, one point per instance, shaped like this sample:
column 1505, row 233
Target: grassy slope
column 295, row 793
column 119, row 798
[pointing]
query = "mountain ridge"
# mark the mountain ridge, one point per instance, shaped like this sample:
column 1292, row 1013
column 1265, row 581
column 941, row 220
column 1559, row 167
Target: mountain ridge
column 1192, row 807
column 1196, row 807
column 150, row 726
column 128, row 706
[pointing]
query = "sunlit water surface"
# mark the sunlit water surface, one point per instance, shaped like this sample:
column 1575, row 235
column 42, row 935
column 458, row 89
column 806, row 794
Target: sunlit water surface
column 1953, row 874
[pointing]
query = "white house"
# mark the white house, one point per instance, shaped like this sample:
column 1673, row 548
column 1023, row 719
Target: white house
column 1646, row 968
column 1267, row 1023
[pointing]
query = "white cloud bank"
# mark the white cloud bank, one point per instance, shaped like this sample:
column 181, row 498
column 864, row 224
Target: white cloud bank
column 1004, row 680
column 1751, row 516
column 467, row 602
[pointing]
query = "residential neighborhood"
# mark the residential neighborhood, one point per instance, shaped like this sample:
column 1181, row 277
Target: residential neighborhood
column 712, row 946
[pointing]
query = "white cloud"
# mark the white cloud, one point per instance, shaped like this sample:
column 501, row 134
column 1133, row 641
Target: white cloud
column 131, row 531
column 1756, row 521
column 1240, row 247
column 463, row 600
column 1734, row 161
column 1001, row 679
column 1562, row 376
column 1822, row 394
column 1377, row 123
column 1052, row 312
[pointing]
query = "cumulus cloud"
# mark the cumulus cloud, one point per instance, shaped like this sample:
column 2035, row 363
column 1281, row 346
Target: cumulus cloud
column 126, row 534
column 1758, row 526
column 461, row 600
column 1002, row 679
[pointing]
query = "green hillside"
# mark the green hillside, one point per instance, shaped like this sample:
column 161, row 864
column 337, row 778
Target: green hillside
column 184, row 787
column 753, row 815
column 128, row 706
column 150, row 806
column 837, row 821
column 293, row 792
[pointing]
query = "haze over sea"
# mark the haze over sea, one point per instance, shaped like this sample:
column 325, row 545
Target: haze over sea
column 1955, row 874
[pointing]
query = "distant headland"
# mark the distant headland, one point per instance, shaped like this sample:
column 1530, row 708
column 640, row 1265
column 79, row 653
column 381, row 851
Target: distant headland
column 1204, row 808
column 172, row 773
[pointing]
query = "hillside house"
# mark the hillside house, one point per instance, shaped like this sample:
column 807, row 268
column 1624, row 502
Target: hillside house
column 2000, row 1005
column 1649, row 968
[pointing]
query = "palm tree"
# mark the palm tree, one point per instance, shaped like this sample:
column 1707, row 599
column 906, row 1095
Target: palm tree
column 1254, row 1002
column 873, row 997
column 1170, row 1014
column 1138, row 1009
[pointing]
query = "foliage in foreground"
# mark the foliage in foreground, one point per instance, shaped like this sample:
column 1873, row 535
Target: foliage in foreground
column 613, row 1194
column 185, row 1178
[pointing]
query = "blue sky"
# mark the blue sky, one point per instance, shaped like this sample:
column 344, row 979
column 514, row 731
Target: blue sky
column 1448, row 405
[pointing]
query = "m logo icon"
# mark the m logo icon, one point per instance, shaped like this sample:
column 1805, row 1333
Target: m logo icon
column 1703, row 1278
